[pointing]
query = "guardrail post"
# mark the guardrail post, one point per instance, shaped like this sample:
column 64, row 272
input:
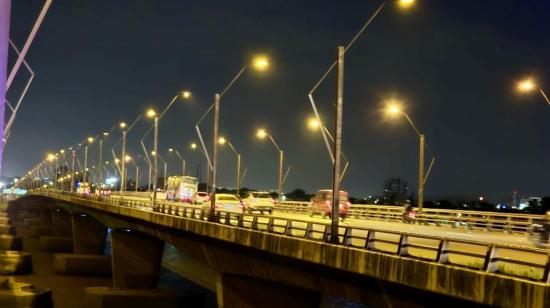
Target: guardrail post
column 403, row 246
column 227, row 218
column 255, row 222
column 490, row 264
column 326, row 233
column 240, row 220
column 443, row 252
column 489, row 223
column 371, row 238
column 347, row 236
column 309, row 230
column 270, row 225
column 288, row 228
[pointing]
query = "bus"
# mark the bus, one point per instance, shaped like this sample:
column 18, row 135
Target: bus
column 181, row 188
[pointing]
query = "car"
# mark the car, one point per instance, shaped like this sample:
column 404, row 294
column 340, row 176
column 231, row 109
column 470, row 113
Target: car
column 258, row 201
column 226, row 203
column 321, row 203
column 201, row 197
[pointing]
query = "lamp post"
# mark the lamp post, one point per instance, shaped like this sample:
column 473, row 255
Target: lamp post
column 260, row 63
column 223, row 141
column 194, row 147
column 181, row 159
column 262, row 134
column 90, row 141
column 122, row 126
column 394, row 109
column 105, row 134
column 152, row 114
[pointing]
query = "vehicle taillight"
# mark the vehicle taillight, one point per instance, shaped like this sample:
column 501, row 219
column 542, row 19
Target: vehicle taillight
column 327, row 203
column 218, row 206
column 272, row 200
column 348, row 204
column 242, row 204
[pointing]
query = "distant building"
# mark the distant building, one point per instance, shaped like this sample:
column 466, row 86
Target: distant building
column 396, row 190
column 529, row 202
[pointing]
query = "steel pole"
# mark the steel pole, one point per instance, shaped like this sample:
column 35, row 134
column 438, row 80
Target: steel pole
column 72, row 172
column 100, row 163
column 334, row 238
column 214, row 156
column 280, row 182
column 165, row 169
column 137, row 176
column 85, row 178
column 5, row 12
column 155, row 162
column 183, row 167
column 123, row 164
column 421, row 174
column 149, row 181
column 238, row 173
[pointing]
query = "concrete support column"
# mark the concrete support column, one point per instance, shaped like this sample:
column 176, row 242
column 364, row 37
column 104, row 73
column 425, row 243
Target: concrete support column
column 243, row 292
column 61, row 223
column 89, row 235
column 136, row 259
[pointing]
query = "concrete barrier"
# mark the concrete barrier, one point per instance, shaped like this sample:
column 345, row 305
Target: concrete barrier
column 19, row 294
column 10, row 242
column 103, row 297
column 32, row 221
column 15, row 262
column 77, row 264
column 4, row 220
column 56, row 244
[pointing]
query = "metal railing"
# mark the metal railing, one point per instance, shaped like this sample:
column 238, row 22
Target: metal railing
column 489, row 221
column 501, row 259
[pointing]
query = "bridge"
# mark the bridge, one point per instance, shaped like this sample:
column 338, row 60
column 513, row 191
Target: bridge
column 285, row 257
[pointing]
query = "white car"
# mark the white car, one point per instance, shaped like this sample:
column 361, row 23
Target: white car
column 258, row 201
column 226, row 203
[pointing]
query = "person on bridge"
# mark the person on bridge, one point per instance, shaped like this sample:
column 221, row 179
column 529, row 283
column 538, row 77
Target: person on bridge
column 408, row 213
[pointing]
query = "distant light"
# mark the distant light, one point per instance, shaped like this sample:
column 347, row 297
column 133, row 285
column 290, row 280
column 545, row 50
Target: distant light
column 193, row 146
column 170, row 150
column 222, row 140
column 105, row 134
column 186, row 94
column 122, row 125
column 481, row 198
column 127, row 158
column 90, row 139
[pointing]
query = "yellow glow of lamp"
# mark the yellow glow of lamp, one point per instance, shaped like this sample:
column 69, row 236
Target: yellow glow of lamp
column 526, row 85
column 313, row 124
column 260, row 63
column 90, row 139
column 222, row 140
column 405, row 4
column 193, row 146
column 186, row 94
column 151, row 113
column 127, row 158
column 122, row 125
column 261, row 133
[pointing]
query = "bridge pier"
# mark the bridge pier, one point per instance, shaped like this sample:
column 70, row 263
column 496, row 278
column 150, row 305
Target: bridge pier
column 243, row 292
column 136, row 259
column 89, row 237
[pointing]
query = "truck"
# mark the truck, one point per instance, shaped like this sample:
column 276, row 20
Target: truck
column 181, row 188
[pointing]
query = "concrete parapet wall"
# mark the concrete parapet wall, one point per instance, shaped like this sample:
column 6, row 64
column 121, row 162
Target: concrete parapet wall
column 7, row 229
column 10, row 242
column 15, row 263
column 80, row 264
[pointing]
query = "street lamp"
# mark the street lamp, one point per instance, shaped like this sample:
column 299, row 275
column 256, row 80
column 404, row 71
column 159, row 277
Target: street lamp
column 105, row 135
column 263, row 134
column 181, row 159
column 194, row 147
column 529, row 85
column 153, row 115
column 259, row 63
column 394, row 109
column 90, row 140
column 223, row 141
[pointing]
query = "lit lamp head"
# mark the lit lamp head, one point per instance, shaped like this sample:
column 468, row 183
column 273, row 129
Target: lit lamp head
column 313, row 124
column 222, row 140
column 90, row 140
column 105, row 134
column 127, row 158
column 185, row 94
column 151, row 113
column 261, row 133
column 117, row 161
column 260, row 63
column 170, row 150
column 153, row 153
column 50, row 157
column 405, row 4
column 61, row 151
column 193, row 146
column 122, row 125
column 393, row 108
column 527, row 85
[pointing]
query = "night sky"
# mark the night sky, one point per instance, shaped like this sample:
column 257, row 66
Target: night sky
column 454, row 63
